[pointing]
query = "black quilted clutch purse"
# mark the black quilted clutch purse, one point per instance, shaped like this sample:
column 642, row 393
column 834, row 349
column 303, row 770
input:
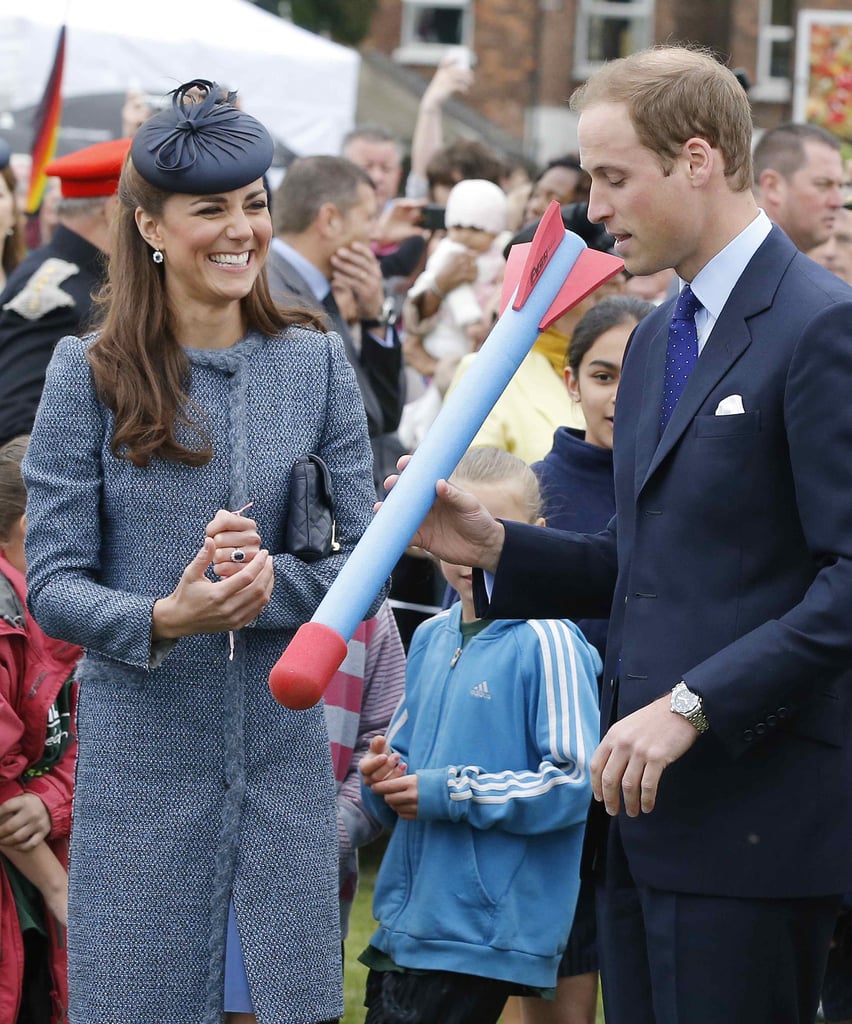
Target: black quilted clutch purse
column 311, row 531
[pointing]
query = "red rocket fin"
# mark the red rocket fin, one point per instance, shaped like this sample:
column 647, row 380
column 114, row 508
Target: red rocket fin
column 591, row 269
column 512, row 274
column 546, row 240
column 527, row 260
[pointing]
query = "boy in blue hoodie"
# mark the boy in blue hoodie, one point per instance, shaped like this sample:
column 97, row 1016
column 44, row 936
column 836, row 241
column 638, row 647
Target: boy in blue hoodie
column 484, row 775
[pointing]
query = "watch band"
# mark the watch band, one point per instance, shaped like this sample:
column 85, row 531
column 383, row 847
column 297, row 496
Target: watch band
column 387, row 317
column 697, row 718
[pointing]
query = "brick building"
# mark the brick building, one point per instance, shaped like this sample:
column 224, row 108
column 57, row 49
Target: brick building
column 530, row 54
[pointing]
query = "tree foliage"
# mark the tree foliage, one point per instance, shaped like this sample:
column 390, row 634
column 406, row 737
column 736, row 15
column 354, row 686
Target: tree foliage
column 344, row 21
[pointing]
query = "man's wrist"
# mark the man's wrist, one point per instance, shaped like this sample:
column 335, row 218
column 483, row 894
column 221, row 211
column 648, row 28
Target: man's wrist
column 493, row 548
column 386, row 316
column 689, row 705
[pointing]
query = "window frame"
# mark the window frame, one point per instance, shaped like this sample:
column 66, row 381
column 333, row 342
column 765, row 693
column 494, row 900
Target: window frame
column 768, row 87
column 413, row 51
column 640, row 12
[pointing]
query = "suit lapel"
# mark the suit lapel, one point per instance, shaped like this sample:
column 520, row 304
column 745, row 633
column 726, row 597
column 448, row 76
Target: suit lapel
column 648, row 427
column 285, row 281
column 730, row 337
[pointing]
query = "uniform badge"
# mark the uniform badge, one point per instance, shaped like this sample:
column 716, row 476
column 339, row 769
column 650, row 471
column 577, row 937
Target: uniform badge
column 42, row 293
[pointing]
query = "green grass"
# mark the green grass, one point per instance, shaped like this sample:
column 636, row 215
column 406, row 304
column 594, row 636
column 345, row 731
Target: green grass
column 361, row 927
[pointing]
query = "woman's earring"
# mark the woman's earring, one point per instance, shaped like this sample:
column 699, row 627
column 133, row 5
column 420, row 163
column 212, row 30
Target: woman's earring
column 157, row 256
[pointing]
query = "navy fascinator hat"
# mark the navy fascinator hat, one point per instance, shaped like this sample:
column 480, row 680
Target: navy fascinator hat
column 5, row 154
column 202, row 145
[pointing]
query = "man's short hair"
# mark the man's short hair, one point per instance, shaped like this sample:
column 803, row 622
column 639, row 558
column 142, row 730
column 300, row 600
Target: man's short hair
column 674, row 93
column 312, row 181
column 782, row 149
column 372, row 132
column 74, row 208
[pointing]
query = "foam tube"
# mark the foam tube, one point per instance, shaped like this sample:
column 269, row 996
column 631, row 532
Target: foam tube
column 302, row 673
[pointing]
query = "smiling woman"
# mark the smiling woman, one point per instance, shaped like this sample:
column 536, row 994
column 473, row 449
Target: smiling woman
column 205, row 864
column 213, row 249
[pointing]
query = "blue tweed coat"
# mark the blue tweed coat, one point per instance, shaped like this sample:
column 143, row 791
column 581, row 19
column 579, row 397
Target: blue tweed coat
column 193, row 783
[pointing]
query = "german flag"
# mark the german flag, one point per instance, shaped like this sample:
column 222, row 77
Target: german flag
column 46, row 128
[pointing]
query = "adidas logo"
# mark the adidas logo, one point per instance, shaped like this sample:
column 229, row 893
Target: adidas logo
column 481, row 690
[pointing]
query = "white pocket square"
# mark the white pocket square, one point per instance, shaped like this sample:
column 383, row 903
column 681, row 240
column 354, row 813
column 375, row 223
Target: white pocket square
column 730, row 406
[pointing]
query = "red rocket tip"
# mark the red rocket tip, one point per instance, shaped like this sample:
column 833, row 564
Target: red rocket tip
column 300, row 676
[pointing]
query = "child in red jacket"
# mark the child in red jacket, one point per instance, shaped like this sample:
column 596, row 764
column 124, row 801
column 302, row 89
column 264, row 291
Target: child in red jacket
column 37, row 751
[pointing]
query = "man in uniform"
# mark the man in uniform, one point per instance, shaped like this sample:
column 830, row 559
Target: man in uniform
column 50, row 293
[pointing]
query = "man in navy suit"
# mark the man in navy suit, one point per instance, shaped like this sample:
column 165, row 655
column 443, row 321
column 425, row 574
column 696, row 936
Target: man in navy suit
column 726, row 755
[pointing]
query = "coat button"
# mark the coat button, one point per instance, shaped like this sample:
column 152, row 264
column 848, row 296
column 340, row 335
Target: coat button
column 748, row 735
column 782, row 712
column 771, row 721
column 760, row 728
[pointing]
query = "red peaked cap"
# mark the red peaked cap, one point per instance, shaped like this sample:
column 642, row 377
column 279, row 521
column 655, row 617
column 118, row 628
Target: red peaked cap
column 93, row 171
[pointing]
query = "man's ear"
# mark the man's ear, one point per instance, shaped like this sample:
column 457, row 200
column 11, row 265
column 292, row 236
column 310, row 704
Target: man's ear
column 700, row 158
column 328, row 220
column 149, row 228
column 771, row 185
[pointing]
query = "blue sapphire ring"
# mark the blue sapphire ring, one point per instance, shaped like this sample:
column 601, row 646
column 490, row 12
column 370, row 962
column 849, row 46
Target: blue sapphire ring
column 238, row 555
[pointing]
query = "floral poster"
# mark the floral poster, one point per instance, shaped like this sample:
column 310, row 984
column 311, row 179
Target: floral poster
column 824, row 71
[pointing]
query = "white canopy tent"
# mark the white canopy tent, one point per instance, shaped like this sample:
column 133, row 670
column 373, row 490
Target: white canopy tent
column 301, row 86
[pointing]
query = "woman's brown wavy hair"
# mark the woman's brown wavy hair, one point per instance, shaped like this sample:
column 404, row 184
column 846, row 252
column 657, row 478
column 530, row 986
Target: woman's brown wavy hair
column 140, row 371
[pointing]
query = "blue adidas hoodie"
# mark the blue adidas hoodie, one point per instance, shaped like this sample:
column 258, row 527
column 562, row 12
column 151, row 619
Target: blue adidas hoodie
column 500, row 734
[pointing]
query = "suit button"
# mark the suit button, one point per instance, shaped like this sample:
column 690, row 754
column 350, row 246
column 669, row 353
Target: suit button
column 771, row 721
column 760, row 728
column 748, row 735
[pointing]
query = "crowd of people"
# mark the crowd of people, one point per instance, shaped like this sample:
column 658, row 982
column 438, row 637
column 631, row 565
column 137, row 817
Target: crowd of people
column 601, row 706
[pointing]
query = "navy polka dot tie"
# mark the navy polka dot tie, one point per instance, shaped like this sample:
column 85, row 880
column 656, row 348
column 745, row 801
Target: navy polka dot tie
column 681, row 352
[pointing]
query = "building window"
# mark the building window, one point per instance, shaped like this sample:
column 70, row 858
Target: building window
column 430, row 26
column 774, row 49
column 607, row 29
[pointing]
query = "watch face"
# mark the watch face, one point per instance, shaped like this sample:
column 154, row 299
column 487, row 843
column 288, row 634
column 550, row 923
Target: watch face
column 683, row 701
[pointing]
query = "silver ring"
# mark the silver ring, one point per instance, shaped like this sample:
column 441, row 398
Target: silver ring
column 238, row 555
